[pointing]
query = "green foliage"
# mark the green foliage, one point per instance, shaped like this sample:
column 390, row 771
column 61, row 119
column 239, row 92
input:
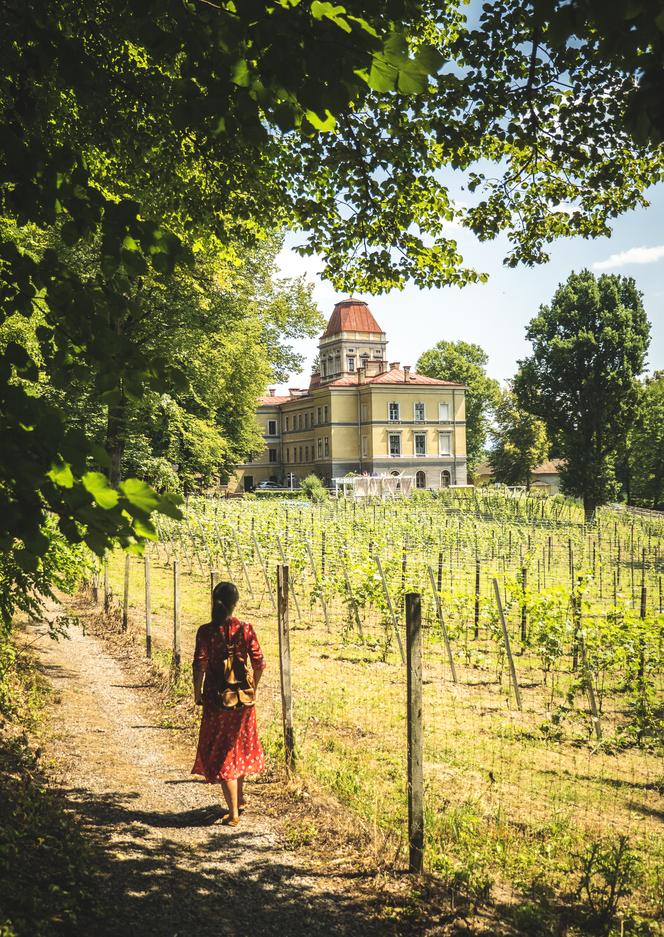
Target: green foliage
column 466, row 363
column 608, row 870
column 314, row 489
column 589, row 349
column 646, row 446
column 149, row 135
column 521, row 442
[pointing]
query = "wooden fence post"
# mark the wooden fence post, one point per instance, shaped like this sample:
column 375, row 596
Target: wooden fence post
column 125, row 597
column 477, row 599
column 446, row 638
column 265, row 573
column 353, row 603
column 244, row 565
column 285, row 666
column 415, row 733
column 291, row 586
column 524, row 619
column 318, row 584
column 148, row 609
column 214, row 579
column 390, row 607
column 95, row 584
column 107, row 588
column 177, row 656
column 508, row 647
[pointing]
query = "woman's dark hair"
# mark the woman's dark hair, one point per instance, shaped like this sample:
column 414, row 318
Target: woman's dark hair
column 224, row 599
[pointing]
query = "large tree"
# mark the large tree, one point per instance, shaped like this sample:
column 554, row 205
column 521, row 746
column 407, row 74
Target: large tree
column 646, row 446
column 466, row 363
column 589, row 348
column 155, row 127
column 520, row 442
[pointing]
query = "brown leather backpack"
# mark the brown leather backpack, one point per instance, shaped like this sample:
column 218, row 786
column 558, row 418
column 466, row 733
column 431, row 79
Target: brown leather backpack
column 237, row 688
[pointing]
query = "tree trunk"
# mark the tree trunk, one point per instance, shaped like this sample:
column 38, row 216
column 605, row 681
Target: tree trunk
column 589, row 508
column 116, row 437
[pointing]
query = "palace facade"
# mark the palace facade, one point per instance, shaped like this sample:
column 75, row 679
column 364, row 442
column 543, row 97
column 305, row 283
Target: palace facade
column 361, row 413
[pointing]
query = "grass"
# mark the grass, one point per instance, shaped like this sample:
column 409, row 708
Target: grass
column 513, row 800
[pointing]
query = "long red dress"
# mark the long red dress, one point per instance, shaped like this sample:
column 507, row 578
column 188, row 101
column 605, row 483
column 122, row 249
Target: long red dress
column 228, row 743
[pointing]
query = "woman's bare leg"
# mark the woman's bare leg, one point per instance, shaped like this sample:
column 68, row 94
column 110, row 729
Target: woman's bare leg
column 230, row 788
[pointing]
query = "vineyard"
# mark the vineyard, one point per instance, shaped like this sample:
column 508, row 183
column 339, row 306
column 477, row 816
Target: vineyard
column 543, row 677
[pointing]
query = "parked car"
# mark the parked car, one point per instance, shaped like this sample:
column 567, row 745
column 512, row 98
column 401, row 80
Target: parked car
column 263, row 485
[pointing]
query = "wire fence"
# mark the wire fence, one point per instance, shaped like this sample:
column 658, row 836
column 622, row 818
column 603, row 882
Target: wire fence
column 543, row 669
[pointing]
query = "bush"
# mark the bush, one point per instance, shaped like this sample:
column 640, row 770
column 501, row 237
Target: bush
column 313, row 488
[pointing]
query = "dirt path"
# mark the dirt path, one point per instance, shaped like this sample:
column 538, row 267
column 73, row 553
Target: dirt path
column 170, row 868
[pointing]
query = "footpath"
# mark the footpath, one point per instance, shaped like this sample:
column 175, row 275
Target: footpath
column 169, row 867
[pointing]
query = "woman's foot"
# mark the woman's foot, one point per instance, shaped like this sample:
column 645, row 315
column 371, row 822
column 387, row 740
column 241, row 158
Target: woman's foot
column 230, row 821
column 242, row 807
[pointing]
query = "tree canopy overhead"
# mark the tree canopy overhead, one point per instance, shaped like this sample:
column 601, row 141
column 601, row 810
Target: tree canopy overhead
column 151, row 130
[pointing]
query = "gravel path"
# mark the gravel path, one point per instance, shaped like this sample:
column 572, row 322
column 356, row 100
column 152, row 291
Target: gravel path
column 170, row 868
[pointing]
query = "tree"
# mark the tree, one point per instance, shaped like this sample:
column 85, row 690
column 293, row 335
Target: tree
column 152, row 129
column 589, row 349
column 647, row 446
column 521, row 442
column 465, row 363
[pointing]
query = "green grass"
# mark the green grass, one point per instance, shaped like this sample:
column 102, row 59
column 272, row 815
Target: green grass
column 512, row 799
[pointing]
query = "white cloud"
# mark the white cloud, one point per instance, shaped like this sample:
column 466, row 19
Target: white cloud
column 635, row 255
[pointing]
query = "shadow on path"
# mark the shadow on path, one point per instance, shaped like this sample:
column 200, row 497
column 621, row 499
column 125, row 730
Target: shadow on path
column 158, row 885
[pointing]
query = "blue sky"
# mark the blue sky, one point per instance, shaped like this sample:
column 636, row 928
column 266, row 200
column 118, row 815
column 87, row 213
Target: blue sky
column 495, row 314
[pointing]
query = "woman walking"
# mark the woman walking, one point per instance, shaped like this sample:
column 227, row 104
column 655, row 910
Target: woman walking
column 228, row 743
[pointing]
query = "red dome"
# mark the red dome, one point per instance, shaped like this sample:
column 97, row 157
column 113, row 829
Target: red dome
column 351, row 315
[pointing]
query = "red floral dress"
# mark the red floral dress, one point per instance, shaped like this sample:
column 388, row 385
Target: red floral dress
column 228, row 743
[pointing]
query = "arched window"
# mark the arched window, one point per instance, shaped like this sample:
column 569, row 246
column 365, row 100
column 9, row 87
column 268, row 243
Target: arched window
column 421, row 480
column 444, row 479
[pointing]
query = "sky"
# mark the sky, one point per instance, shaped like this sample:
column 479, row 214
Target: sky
column 495, row 314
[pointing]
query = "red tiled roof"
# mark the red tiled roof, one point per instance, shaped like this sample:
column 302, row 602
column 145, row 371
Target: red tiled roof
column 269, row 401
column 393, row 376
column 351, row 315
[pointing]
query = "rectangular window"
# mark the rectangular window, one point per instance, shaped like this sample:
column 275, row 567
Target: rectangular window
column 320, row 448
column 287, row 423
column 318, row 415
column 351, row 362
column 306, row 453
column 365, row 447
column 444, row 412
column 272, row 427
column 444, row 443
column 294, row 453
column 364, row 410
column 378, row 353
column 301, row 454
column 420, row 443
column 306, row 421
column 393, row 411
column 326, row 444
column 325, row 414
column 272, row 455
column 419, row 413
column 395, row 444
column 287, row 455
